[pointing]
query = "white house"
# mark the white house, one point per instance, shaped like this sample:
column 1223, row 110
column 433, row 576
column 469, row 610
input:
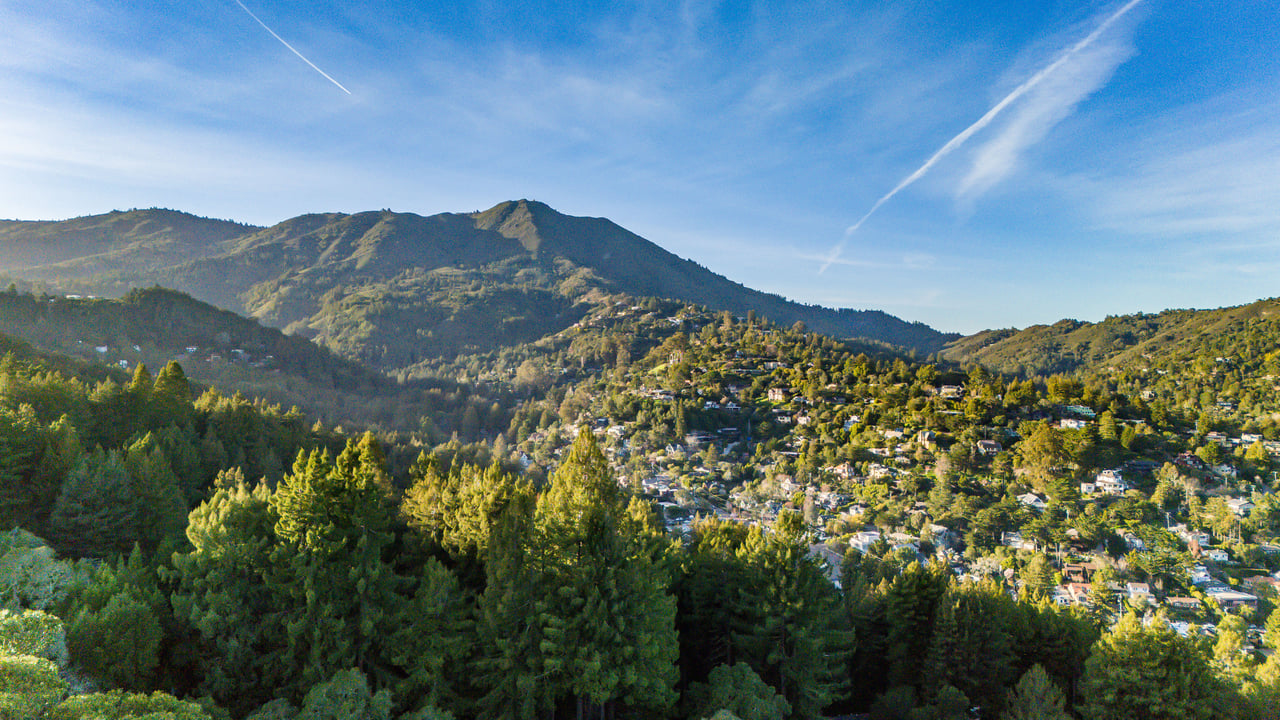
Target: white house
column 1240, row 506
column 1111, row 482
column 1033, row 501
column 1217, row 555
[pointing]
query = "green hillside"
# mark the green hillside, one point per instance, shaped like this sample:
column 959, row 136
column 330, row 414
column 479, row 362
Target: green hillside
column 1247, row 335
column 221, row 349
column 136, row 241
column 390, row 289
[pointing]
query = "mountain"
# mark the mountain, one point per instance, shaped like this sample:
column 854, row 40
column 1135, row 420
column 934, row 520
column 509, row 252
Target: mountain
column 217, row 348
column 1246, row 335
column 136, row 240
column 391, row 288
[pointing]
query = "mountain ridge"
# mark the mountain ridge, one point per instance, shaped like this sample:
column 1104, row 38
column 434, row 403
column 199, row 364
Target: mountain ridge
column 371, row 284
column 1138, row 340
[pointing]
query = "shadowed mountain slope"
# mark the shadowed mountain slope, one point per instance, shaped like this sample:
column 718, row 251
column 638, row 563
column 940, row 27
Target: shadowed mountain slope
column 390, row 288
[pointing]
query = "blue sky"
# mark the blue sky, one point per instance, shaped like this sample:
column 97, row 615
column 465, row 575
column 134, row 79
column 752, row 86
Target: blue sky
column 1104, row 157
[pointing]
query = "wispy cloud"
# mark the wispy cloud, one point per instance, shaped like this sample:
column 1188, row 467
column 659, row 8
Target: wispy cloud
column 1226, row 186
column 1049, row 105
column 1050, row 102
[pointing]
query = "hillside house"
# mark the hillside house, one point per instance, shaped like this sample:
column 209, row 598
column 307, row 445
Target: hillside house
column 1240, row 506
column 1133, row 542
column 1076, row 573
column 863, row 540
column 1033, row 501
column 1016, row 541
column 1229, row 599
column 1139, row 594
column 1083, row 411
column 1111, row 482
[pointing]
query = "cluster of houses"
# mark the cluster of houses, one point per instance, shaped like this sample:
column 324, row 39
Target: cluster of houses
column 190, row 352
column 1076, row 589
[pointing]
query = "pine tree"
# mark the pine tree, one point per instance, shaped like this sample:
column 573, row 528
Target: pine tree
column 1139, row 672
column 912, row 603
column 334, row 528
column 171, row 397
column 739, row 690
column 110, row 501
column 510, row 668
column 609, row 605
column 972, row 646
column 226, row 592
column 1036, row 697
column 433, row 640
column 790, row 624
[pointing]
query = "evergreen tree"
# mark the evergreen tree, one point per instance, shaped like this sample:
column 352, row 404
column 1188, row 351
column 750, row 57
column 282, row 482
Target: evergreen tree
column 334, row 530
column 609, row 607
column 740, row 691
column 108, row 503
column 118, row 645
column 510, row 668
column 1035, row 697
column 345, row 696
column 911, row 607
column 433, row 640
column 790, row 624
column 972, row 646
column 227, row 592
column 171, row 397
column 1139, row 672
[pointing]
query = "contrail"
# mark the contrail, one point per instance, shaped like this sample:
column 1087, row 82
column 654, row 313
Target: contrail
column 292, row 49
column 982, row 122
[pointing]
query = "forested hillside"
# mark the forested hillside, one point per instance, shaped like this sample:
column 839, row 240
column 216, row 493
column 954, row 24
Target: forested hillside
column 392, row 289
column 1246, row 335
column 134, row 241
column 221, row 349
column 667, row 512
column 739, row 517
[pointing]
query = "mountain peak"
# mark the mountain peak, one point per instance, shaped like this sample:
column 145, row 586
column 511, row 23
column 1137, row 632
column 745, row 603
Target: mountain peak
column 514, row 219
column 391, row 286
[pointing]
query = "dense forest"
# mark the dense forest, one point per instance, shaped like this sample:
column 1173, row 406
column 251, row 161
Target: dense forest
column 665, row 512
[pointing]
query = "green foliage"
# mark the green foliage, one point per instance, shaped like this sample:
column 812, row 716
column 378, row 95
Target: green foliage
column 611, row 607
column 763, row 600
column 911, row 609
column 435, row 637
column 29, row 686
column 739, row 690
column 117, row 645
column 1035, row 697
column 225, row 593
column 31, row 576
column 972, row 648
column 112, row 500
column 1142, row 672
column 35, row 633
column 345, row 696
column 120, row 705
column 339, row 588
